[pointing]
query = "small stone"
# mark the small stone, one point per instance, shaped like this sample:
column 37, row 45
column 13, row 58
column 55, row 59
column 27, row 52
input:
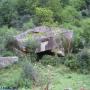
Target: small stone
column 6, row 61
column 68, row 89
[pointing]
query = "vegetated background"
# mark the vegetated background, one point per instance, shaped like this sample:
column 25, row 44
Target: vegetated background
column 17, row 16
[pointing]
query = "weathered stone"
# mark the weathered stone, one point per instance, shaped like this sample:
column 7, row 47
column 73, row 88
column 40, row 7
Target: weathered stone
column 48, row 38
column 68, row 89
column 6, row 61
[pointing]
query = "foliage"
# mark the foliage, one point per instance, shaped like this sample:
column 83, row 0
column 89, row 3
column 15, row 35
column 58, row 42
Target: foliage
column 56, row 7
column 31, row 5
column 25, row 14
column 44, row 15
column 28, row 25
column 27, row 6
column 6, row 53
column 29, row 71
column 7, row 12
column 78, row 40
column 61, row 77
column 5, row 34
column 29, row 75
column 79, row 62
column 13, row 73
column 51, row 60
column 70, row 61
column 70, row 14
column 32, row 44
column 83, row 59
column 85, row 24
column 43, row 11
column 48, row 60
column 78, row 4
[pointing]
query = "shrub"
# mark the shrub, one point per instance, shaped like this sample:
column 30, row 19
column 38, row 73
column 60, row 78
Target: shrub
column 70, row 14
column 70, row 61
column 28, row 25
column 85, row 24
column 56, row 7
column 78, row 43
column 48, row 60
column 5, row 35
column 29, row 71
column 79, row 62
column 83, row 59
column 7, row 12
column 44, row 15
column 9, row 77
column 51, row 60
column 78, row 40
column 31, row 46
column 29, row 75
column 78, row 4
column 16, row 23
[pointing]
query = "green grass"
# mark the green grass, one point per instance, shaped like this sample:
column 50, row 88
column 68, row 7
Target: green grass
column 70, row 80
column 10, row 76
column 60, row 77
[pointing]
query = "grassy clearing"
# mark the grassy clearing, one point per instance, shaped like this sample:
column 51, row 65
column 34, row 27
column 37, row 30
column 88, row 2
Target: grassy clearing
column 59, row 77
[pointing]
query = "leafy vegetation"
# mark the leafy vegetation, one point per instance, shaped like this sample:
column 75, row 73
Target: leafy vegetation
column 19, row 15
column 60, row 78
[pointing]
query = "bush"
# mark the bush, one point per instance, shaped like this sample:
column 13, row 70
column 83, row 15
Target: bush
column 78, row 43
column 79, row 62
column 31, row 46
column 85, row 24
column 45, row 16
column 28, row 25
column 29, row 71
column 29, row 75
column 70, row 14
column 5, row 35
column 51, row 60
column 9, row 77
column 70, row 61
column 83, row 59
column 78, row 4
column 7, row 11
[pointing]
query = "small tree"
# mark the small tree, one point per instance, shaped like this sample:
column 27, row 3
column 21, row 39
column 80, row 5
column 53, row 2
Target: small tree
column 44, row 15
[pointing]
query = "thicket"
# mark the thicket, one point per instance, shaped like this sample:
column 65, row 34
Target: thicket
column 79, row 62
column 24, row 14
column 17, row 12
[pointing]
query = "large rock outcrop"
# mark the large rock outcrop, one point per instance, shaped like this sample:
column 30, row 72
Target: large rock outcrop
column 49, row 38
